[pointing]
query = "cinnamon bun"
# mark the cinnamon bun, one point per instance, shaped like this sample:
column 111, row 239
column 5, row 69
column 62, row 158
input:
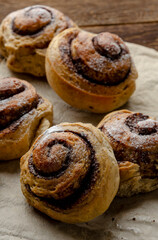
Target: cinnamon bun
column 25, row 35
column 23, row 116
column 134, row 139
column 90, row 72
column 70, row 173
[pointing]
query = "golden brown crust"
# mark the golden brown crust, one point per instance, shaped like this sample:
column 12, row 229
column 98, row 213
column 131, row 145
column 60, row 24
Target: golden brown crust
column 70, row 173
column 95, row 68
column 23, row 116
column 134, row 139
column 25, row 35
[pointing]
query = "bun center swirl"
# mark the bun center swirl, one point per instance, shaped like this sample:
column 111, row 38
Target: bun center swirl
column 105, row 45
column 31, row 20
column 17, row 98
column 141, row 124
column 65, row 159
column 132, row 129
column 49, row 157
column 103, row 59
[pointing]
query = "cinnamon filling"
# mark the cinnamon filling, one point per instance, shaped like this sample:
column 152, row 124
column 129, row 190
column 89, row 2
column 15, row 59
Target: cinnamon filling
column 147, row 127
column 32, row 20
column 141, row 124
column 16, row 101
column 14, row 114
column 85, row 186
column 106, row 46
column 9, row 88
column 54, row 163
column 127, row 145
column 103, row 59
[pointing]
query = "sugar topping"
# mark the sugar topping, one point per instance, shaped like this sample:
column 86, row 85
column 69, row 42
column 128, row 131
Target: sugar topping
column 103, row 59
column 134, row 130
column 31, row 20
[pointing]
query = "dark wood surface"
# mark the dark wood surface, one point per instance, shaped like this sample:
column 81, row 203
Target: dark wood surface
column 133, row 20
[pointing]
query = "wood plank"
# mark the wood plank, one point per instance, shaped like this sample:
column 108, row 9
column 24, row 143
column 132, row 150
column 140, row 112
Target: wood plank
column 144, row 34
column 88, row 12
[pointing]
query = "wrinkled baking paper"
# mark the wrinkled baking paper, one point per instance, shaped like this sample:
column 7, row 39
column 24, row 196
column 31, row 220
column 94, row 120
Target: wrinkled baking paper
column 127, row 218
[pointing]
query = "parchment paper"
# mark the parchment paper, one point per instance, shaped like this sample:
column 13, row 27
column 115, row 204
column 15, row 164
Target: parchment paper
column 127, row 218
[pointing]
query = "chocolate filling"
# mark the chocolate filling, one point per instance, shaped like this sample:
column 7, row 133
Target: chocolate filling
column 85, row 186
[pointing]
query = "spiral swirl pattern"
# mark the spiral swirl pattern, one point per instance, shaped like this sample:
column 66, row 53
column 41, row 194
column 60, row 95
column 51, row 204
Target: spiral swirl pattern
column 103, row 59
column 63, row 171
column 25, row 35
column 58, row 157
column 17, row 98
column 23, row 116
column 134, row 139
column 32, row 20
column 95, row 68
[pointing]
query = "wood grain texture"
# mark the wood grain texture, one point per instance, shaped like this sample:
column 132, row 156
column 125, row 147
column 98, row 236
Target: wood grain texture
column 90, row 12
column 135, row 21
column 145, row 34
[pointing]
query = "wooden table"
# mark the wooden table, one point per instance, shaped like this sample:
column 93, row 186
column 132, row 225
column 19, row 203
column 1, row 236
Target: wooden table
column 133, row 20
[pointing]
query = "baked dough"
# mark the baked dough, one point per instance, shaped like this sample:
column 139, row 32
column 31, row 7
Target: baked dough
column 23, row 116
column 70, row 173
column 134, row 139
column 89, row 71
column 25, row 35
